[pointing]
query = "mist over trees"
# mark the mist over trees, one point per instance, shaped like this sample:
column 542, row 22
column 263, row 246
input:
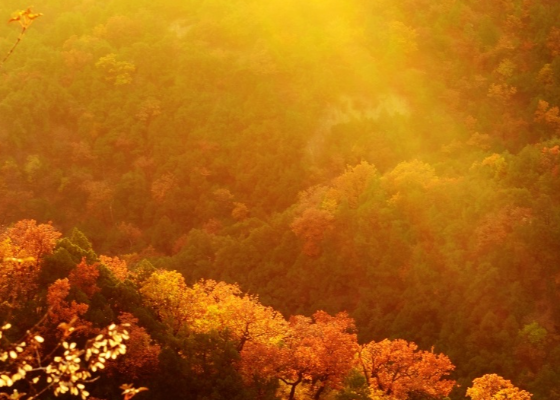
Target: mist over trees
column 287, row 199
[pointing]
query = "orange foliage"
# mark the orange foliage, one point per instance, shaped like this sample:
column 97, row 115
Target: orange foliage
column 21, row 249
column 263, row 361
column 116, row 266
column 18, row 276
column 501, row 91
column 317, row 206
column 223, row 195
column 311, row 227
column 32, row 240
column 162, row 185
column 240, row 211
column 398, row 369
column 84, row 277
column 496, row 227
column 129, row 232
column 553, row 41
column 317, row 351
column 494, row 387
column 548, row 115
column 59, row 309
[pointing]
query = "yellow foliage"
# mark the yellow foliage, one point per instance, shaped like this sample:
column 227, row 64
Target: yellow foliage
column 403, row 37
column 210, row 306
column 66, row 369
column 410, row 174
column 506, row 68
column 494, row 387
column 116, row 72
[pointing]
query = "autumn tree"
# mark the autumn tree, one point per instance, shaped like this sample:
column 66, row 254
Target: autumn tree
column 222, row 307
column 22, row 247
column 60, row 309
column 18, row 277
column 166, row 293
column 400, row 370
column 316, row 352
column 494, row 387
column 240, row 211
column 84, row 277
column 117, row 266
column 47, row 358
column 210, row 306
column 30, row 239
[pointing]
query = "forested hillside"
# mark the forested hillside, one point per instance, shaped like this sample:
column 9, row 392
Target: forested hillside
column 377, row 169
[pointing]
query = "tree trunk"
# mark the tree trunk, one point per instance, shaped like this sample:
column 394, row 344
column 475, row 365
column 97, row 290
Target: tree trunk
column 318, row 393
column 293, row 391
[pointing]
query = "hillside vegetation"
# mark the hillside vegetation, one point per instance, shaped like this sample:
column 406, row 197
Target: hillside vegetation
column 379, row 170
